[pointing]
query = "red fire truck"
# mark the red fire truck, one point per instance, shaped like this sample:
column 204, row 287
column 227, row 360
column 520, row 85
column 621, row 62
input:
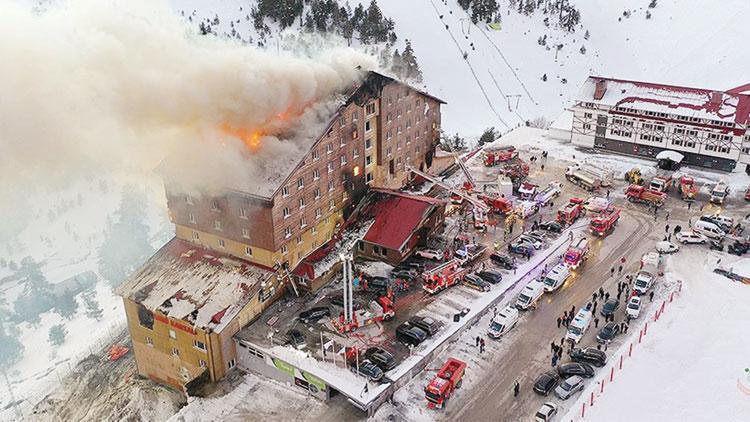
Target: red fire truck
column 688, row 189
column 605, row 221
column 495, row 157
column 446, row 381
column 636, row 193
column 577, row 253
column 570, row 212
column 497, row 204
column 443, row 276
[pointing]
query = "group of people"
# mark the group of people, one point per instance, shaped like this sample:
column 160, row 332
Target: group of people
column 480, row 344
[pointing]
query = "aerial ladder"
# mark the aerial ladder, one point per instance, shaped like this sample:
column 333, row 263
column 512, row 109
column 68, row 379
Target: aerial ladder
column 282, row 275
column 470, row 182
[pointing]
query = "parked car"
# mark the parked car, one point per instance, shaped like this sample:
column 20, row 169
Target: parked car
column 295, row 338
column 378, row 284
column 476, row 282
column 546, row 412
column 569, row 387
column 380, row 357
column 404, row 273
column 723, row 222
column 589, row 355
column 410, row 335
column 716, row 245
column 433, row 254
column 690, row 237
column 490, row 276
column 411, row 264
column 369, row 370
column 551, row 226
column 738, row 248
column 503, row 261
column 666, row 247
column 575, row 368
column 314, row 314
column 521, row 247
column 532, row 240
column 546, row 382
column 426, row 324
column 609, row 307
column 503, row 322
column 634, row 307
column 608, row 332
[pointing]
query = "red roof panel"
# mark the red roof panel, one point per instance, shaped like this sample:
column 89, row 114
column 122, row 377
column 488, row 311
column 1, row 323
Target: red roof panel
column 396, row 218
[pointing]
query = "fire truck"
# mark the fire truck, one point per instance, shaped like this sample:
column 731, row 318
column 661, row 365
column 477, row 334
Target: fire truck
column 527, row 191
column 497, row 204
column 661, row 183
column 605, row 221
column 688, row 188
column 495, row 157
column 570, row 212
column 549, row 193
column 378, row 310
column 636, row 193
column 443, row 276
column 577, row 253
column 446, row 382
column 517, row 170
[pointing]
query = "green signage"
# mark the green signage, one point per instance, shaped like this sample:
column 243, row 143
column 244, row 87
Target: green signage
column 312, row 379
column 283, row 366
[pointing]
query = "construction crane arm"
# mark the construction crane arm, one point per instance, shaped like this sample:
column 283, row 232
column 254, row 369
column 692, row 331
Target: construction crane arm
column 479, row 204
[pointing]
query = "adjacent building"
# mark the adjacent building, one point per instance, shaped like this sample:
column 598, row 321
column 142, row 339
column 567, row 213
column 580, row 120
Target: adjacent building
column 232, row 250
column 708, row 127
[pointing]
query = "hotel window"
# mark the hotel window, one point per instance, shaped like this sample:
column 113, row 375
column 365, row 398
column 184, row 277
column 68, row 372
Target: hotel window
column 389, row 134
column 416, row 134
column 314, row 230
column 355, row 115
column 330, row 167
column 331, row 204
column 368, row 127
column 302, row 202
column 329, row 148
column 284, row 249
column 342, row 141
column 287, row 232
column 175, row 352
column 388, row 117
column 368, row 160
column 215, row 205
column 217, row 225
column 389, row 150
column 342, row 159
column 302, row 222
column 408, row 139
column 202, row 363
column 370, row 108
column 317, row 193
column 315, row 154
column 232, row 363
column 300, row 183
column 408, row 124
column 245, row 232
column 196, row 236
column 342, row 120
column 330, row 186
column 189, row 199
column 408, row 108
column 243, row 213
column 285, row 212
column 299, row 240
column 355, row 134
column 355, row 152
column 368, row 178
column 398, row 130
column 191, row 218
column 285, row 191
column 172, row 335
column 318, row 214
column 199, row 345
column 398, row 113
column 221, row 243
column 248, row 251
column 316, row 174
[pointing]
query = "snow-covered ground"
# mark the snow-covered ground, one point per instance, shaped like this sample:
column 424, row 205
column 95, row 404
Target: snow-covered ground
column 693, row 363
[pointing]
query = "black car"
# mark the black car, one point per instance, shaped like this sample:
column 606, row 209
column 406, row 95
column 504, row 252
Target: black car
column 546, row 382
column 476, row 282
column 738, row 248
column 490, row 276
column 569, row 369
column 426, row 324
column 295, row 338
column 369, row 370
column 610, row 306
column 381, row 357
column 589, row 355
column 404, row 273
column 314, row 314
column 521, row 248
column 715, row 245
column 551, row 226
column 608, row 332
column 502, row 260
column 410, row 335
column 378, row 285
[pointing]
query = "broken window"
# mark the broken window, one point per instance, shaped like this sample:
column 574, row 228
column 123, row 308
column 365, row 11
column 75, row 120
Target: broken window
column 145, row 317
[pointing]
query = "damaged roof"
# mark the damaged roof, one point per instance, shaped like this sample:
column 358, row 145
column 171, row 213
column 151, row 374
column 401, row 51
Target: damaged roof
column 202, row 287
column 729, row 106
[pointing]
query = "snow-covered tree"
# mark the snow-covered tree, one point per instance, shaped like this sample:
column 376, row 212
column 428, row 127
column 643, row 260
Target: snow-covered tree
column 93, row 310
column 10, row 348
column 489, row 135
column 409, row 64
column 57, row 334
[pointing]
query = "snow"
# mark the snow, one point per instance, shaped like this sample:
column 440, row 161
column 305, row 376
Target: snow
column 670, row 155
column 692, row 362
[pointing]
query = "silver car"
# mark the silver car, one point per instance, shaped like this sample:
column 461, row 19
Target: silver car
column 570, row 386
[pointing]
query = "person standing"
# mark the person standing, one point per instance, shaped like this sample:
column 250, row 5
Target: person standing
column 651, row 296
column 594, row 309
column 477, row 341
column 619, row 269
column 689, row 205
column 559, row 321
column 516, row 388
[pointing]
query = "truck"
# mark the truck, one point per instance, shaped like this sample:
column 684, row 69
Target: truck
column 501, row 155
column 570, row 212
column 637, row 193
column 605, row 221
column 582, row 178
column 646, row 276
column 549, row 193
column 688, row 188
column 605, row 176
column 633, row 176
column 500, row 205
column 527, row 191
column 470, row 253
column 526, row 209
column 516, row 170
column 447, row 380
column 377, row 311
column 661, row 183
column 577, row 253
column 719, row 193
column 443, row 276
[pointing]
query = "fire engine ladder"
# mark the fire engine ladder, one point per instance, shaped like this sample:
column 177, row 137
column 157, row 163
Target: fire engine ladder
column 480, row 205
column 283, row 275
column 461, row 165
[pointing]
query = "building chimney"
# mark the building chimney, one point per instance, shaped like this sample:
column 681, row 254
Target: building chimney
column 601, row 88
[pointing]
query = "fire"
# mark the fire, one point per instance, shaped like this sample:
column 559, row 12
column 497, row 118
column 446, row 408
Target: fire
column 251, row 138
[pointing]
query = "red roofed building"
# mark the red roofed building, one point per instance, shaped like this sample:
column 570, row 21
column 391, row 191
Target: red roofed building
column 708, row 127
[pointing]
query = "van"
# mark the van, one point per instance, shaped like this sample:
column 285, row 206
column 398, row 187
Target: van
column 644, row 280
column 503, row 322
column 577, row 328
column 530, row 295
column 556, row 277
column 722, row 221
column 710, row 230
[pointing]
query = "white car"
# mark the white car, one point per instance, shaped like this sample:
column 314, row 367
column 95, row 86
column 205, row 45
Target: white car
column 666, row 247
column 634, row 307
column 531, row 240
column 430, row 254
column 691, row 237
column 569, row 387
column 596, row 204
column 546, row 412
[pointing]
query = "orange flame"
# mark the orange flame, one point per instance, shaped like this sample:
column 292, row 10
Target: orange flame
column 250, row 138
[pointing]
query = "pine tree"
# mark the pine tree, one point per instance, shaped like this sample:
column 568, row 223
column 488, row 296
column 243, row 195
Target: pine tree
column 93, row 310
column 57, row 334
column 397, row 64
column 409, row 64
column 11, row 349
column 489, row 135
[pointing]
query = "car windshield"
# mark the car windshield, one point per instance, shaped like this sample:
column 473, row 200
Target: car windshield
column 633, row 305
column 574, row 330
column 718, row 194
column 523, row 298
column 641, row 283
column 496, row 326
column 565, row 386
column 549, row 281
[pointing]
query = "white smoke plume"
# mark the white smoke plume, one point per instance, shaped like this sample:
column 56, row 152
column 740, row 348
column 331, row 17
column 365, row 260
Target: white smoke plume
column 125, row 83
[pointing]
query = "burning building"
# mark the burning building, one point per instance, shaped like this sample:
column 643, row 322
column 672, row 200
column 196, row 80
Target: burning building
column 233, row 247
